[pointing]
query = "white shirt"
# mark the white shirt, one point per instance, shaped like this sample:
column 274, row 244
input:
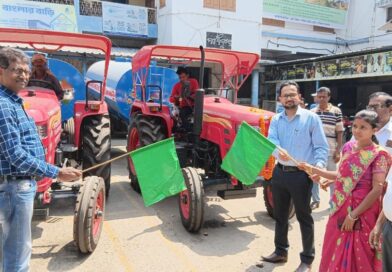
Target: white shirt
column 385, row 134
column 387, row 202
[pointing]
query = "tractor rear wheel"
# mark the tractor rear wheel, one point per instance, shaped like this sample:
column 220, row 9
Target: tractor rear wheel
column 143, row 131
column 269, row 201
column 89, row 214
column 96, row 147
column 191, row 201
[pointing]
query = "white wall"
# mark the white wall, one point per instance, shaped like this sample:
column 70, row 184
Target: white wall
column 186, row 23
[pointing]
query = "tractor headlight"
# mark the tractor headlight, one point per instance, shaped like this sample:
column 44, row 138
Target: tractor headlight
column 42, row 131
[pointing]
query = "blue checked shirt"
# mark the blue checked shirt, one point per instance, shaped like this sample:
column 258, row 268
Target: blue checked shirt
column 21, row 150
column 302, row 137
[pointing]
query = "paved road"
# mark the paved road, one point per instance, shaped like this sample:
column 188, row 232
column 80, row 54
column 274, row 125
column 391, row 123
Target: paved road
column 135, row 238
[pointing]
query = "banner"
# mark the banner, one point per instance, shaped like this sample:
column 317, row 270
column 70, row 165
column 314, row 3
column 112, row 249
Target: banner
column 124, row 20
column 37, row 15
column 367, row 65
column 325, row 13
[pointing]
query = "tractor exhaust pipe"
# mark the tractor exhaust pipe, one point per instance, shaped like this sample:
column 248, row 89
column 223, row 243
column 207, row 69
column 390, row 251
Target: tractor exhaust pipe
column 199, row 99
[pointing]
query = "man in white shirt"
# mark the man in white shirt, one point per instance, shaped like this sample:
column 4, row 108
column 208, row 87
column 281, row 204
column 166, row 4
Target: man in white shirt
column 382, row 104
column 384, row 227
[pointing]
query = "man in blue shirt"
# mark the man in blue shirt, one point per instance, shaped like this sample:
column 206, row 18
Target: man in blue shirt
column 22, row 159
column 297, row 132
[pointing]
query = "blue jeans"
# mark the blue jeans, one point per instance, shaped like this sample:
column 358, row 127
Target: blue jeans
column 16, row 211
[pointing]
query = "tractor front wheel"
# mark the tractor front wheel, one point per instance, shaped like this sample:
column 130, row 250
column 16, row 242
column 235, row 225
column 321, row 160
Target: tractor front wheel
column 89, row 214
column 269, row 201
column 96, row 143
column 191, row 201
column 143, row 131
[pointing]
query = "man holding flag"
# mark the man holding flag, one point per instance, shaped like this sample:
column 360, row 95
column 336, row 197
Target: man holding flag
column 299, row 136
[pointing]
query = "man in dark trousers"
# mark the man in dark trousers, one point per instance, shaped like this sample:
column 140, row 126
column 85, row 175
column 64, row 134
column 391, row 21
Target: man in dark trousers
column 299, row 133
column 183, row 95
column 22, row 162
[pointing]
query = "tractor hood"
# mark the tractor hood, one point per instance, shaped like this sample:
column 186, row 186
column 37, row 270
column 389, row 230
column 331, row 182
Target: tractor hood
column 221, row 107
column 37, row 102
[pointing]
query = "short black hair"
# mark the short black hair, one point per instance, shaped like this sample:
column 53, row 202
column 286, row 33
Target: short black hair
column 377, row 94
column 324, row 90
column 288, row 83
column 182, row 70
column 10, row 55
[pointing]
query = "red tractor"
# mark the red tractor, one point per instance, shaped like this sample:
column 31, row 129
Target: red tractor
column 83, row 140
column 216, row 120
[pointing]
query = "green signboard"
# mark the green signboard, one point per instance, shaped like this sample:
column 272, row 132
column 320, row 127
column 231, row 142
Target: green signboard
column 325, row 13
column 367, row 65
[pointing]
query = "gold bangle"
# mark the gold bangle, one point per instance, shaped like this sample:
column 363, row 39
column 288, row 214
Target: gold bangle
column 352, row 218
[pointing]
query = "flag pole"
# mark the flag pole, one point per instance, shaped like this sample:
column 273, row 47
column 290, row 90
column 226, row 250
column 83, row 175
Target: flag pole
column 297, row 163
column 106, row 162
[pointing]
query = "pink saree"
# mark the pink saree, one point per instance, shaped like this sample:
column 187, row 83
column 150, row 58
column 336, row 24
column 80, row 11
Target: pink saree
column 350, row 251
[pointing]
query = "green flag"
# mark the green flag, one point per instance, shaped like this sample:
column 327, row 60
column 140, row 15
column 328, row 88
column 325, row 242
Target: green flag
column 158, row 171
column 248, row 154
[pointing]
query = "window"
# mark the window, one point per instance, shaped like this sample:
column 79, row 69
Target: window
column 273, row 22
column 389, row 14
column 90, row 8
column 228, row 5
column 162, row 3
column 323, row 29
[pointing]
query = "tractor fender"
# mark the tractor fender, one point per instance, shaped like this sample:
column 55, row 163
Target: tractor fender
column 144, row 108
column 221, row 136
column 81, row 113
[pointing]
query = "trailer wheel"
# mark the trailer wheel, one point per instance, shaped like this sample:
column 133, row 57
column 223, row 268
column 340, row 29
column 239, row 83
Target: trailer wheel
column 89, row 214
column 191, row 201
column 269, row 201
column 143, row 130
column 96, row 144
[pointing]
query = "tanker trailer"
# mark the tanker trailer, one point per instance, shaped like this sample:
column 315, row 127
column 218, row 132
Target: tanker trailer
column 119, row 89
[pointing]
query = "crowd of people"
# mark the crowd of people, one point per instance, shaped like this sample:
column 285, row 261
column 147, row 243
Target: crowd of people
column 358, row 233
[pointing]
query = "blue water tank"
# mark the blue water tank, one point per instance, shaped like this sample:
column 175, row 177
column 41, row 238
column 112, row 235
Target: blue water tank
column 119, row 85
column 70, row 78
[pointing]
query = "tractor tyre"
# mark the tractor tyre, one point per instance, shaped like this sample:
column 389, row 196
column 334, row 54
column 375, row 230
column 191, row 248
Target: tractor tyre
column 96, row 144
column 191, row 201
column 69, row 128
column 269, row 201
column 143, row 131
column 89, row 214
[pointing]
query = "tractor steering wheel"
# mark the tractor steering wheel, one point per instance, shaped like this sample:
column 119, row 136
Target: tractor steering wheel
column 41, row 83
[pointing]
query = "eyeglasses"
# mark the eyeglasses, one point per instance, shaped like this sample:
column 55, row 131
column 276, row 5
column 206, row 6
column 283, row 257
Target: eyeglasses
column 20, row 71
column 375, row 107
column 287, row 96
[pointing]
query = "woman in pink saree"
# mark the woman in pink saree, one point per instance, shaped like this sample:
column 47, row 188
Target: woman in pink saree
column 356, row 199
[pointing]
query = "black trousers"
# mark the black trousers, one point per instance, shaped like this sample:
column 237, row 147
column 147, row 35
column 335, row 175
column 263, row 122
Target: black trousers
column 296, row 186
column 387, row 247
column 184, row 114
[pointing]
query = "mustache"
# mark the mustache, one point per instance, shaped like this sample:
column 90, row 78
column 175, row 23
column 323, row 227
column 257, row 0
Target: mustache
column 22, row 80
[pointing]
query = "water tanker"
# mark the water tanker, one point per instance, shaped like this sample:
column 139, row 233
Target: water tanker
column 119, row 89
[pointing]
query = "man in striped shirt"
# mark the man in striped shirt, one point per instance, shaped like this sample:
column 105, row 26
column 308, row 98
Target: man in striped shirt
column 331, row 117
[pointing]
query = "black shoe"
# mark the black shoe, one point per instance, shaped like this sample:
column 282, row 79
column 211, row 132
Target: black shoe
column 303, row 267
column 275, row 258
column 315, row 205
